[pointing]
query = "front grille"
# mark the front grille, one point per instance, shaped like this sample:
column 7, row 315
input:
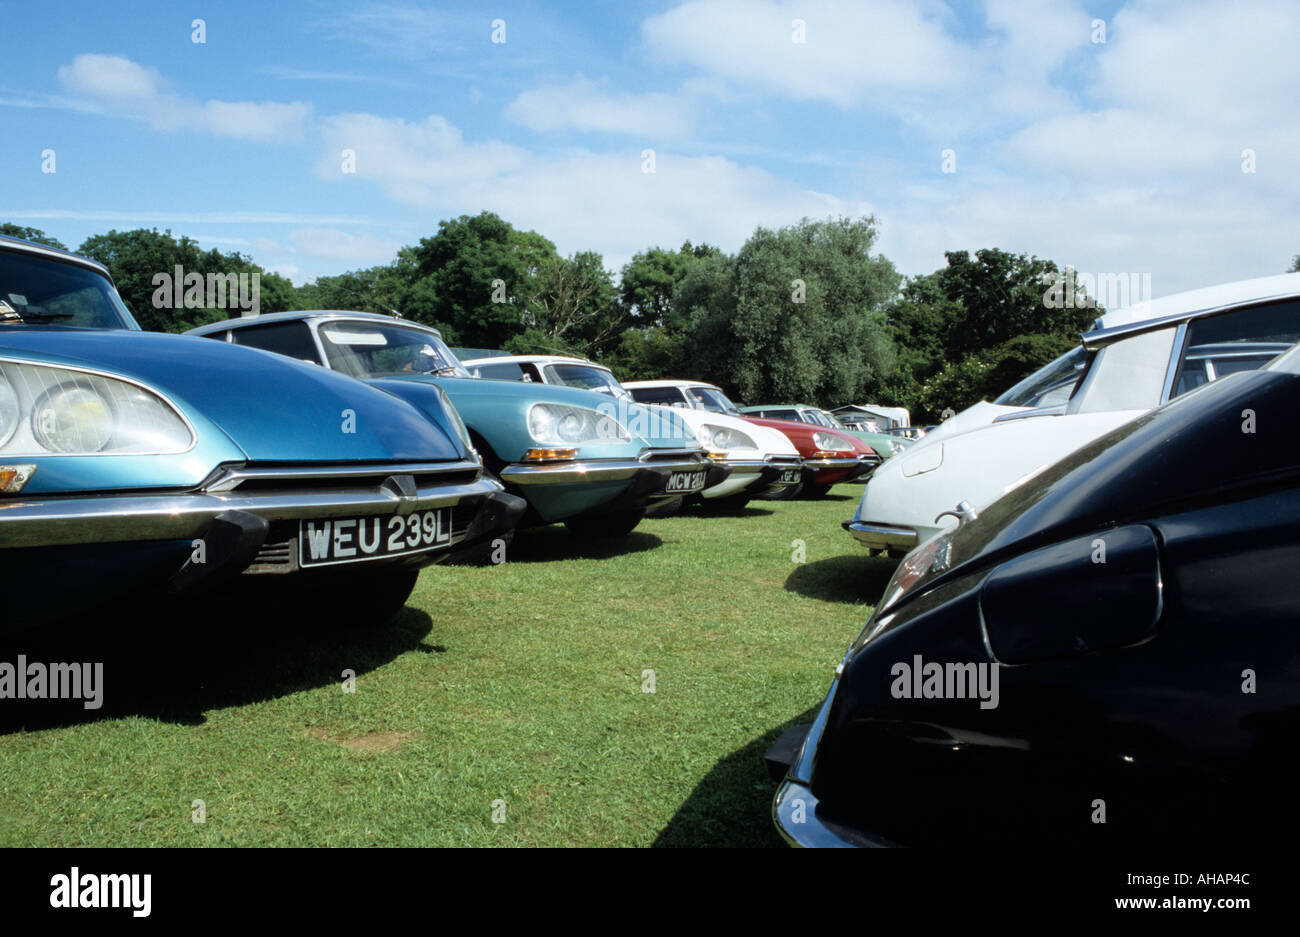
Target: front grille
column 295, row 478
column 275, row 558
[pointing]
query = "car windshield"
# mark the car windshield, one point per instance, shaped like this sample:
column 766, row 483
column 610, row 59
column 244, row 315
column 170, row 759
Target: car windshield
column 1051, row 384
column 710, row 399
column 366, row 349
column 832, row 420
column 36, row 290
column 586, row 377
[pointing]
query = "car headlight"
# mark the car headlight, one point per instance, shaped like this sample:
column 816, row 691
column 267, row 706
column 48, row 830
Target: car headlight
column 832, row 443
column 50, row 410
column 10, row 411
column 723, row 438
column 558, row 424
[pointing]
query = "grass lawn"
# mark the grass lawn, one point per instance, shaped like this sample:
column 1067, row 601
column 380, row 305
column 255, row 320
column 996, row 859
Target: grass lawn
column 522, row 683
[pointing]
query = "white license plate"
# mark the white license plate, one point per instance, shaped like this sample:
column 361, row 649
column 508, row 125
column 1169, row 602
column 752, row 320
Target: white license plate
column 790, row 476
column 685, row 482
column 357, row 539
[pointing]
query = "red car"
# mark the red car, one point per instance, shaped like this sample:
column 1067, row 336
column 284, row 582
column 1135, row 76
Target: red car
column 828, row 456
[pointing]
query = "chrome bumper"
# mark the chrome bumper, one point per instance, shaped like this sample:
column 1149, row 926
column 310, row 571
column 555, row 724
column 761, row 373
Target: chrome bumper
column 795, row 808
column 110, row 518
column 600, row 470
column 881, row 536
column 795, row 813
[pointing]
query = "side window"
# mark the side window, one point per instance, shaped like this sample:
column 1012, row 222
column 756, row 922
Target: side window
column 530, row 373
column 1238, row 340
column 285, row 338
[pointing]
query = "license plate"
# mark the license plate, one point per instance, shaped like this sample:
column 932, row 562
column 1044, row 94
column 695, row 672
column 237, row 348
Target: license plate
column 357, row 539
column 790, row 476
column 685, row 482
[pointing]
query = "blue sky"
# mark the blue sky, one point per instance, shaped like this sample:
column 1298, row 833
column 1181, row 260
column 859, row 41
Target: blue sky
column 1117, row 156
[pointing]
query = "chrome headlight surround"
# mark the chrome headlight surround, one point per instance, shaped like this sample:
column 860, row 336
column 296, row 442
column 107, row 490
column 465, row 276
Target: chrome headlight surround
column 10, row 410
column 68, row 411
column 556, row 424
column 830, row 442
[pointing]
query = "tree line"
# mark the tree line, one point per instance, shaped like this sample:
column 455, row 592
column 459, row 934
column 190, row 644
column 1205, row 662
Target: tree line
column 807, row 313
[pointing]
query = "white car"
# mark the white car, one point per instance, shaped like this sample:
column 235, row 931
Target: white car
column 760, row 459
column 1132, row 361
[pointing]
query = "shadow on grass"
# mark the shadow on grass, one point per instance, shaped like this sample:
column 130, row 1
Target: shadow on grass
column 556, row 542
column 732, row 806
column 176, row 662
column 852, row 578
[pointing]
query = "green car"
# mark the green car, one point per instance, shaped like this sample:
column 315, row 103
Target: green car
column 885, row 444
column 576, row 456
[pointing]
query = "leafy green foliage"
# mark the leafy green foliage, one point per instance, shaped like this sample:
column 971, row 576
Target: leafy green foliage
column 137, row 259
column 986, row 374
column 971, row 330
column 475, row 275
column 35, row 235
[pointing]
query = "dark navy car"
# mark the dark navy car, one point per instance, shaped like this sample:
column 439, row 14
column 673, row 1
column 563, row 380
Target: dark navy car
column 1110, row 652
column 144, row 463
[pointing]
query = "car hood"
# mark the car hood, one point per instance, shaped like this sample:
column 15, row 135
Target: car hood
column 273, row 408
column 768, row 441
column 655, row 427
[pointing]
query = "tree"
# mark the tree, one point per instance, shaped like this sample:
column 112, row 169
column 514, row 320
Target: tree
column 806, row 326
column 987, row 373
column 474, row 275
column 35, row 235
column 1295, row 264
column 572, row 301
column 143, row 265
column 651, row 278
column 976, row 327
column 1002, row 295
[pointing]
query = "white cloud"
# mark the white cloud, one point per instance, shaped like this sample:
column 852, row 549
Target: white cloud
column 852, row 50
column 119, row 86
column 579, row 200
column 584, row 106
column 352, row 251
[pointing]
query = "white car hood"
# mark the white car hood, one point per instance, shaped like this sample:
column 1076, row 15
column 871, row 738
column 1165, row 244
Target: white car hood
column 768, row 440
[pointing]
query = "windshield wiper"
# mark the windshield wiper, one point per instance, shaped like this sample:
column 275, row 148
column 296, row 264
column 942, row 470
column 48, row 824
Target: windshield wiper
column 31, row 314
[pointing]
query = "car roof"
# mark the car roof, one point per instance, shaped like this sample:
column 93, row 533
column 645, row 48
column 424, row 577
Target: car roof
column 674, row 382
column 1177, row 308
column 272, row 317
column 20, row 246
column 538, row 359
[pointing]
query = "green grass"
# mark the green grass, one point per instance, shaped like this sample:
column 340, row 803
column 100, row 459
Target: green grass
column 521, row 683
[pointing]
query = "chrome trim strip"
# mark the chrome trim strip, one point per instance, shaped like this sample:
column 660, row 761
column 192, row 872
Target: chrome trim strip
column 19, row 246
column 182, row 515
column 1175, row 363
column 847, row 462
column 1101, row 337
column 567, row 473
column 230, row 478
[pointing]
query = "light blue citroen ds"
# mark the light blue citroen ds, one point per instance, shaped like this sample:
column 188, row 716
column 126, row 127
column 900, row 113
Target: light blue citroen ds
column 145, row 464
